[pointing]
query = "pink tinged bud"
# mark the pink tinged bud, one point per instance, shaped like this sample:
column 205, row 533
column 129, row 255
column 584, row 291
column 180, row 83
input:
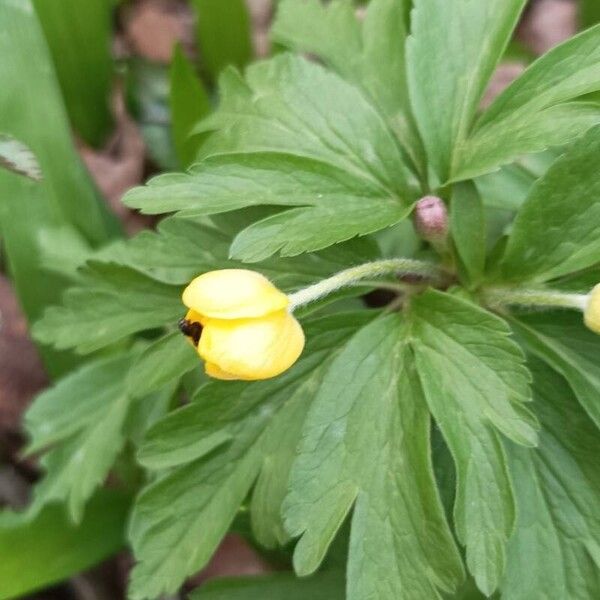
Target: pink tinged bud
column 431, row 219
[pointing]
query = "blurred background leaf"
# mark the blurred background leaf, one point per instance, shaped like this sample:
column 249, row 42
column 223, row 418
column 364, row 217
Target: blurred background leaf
column 323, row 586
column 79, row 37
column 189, row 103
column 148, row 101
column 48, row 548
column 223, row 34
column 589, row 13
column 32, row 111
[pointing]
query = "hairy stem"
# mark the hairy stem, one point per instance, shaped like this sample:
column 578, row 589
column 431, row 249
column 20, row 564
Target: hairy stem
column 498, row 297
column 399, row 266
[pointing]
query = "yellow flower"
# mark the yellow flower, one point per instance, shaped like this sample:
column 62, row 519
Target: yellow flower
column 592, row 310
column 240, row 324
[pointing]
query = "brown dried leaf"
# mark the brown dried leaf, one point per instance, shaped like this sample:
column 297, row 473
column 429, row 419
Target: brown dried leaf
column 21, row 372
column 154, row 27
column 548, row 23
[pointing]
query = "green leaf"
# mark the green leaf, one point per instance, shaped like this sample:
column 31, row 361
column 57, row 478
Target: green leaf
column 74, row 469
column 164, row 361
column 538, row 110
column 555, row 231
column 291, row 166
column 189, row 102
column 66, row 197
column 352, row 205
column 562, row 341
column 555, row 551
column 184, row 436
column 181, row 436
column 505, row 189
column 146, row 410
column 179, row 520
column 75, row 403
column 467, row 224
column 115, row 303
column 475, row 383
column 324, row 194
column 399, row 240
column 40, row 550
column 370, row 54
column 63, row 252
column 225, row 183
column 181, row 249
column 301, row 230
column 79, row 37
column 589, row 13
column 323, row 586
column 279, row 450
column 18, row 158
column 84, row 420
column 289, row 105
column 223, row 34
column 366, row 441
column 330, row 31
column 452, row 52
column 469, row 591
column 86, row 448
column 383, row 74
column 176, row 252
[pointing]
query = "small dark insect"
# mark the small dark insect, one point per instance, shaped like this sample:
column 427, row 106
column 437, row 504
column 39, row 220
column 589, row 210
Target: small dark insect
column 191, row 329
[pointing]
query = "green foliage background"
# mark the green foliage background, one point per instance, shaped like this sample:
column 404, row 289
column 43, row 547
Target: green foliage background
column 444, row 451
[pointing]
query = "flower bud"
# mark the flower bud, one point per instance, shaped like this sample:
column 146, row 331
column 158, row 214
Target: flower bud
column 591, row 315
column 240, row 325
column 431, row 219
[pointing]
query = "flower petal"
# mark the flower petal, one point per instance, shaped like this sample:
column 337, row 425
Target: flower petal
column 592, row 310
column 215, row 372
column 233, row 294
column 194, row 317
column 252, row 349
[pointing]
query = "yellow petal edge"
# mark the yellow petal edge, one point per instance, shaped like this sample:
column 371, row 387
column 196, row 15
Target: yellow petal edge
column 592, row 311
column 216, row 372
column 233, row 294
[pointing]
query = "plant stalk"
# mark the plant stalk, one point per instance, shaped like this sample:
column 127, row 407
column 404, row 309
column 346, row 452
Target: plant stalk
column 499, row 297
column 399, row 266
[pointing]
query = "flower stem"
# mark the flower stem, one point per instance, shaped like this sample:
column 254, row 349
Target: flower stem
column 390, row 286
column 498, row 297
column 370, row 270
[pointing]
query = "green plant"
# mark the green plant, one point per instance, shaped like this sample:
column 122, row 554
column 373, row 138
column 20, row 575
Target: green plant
column 62, row 212
column 589, row 12
column 456, row 432
column 78, row 38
